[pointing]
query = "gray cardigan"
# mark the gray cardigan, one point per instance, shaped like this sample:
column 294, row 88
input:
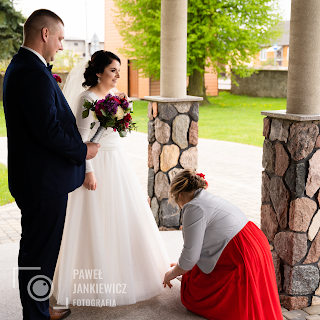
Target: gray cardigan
column 209, row 223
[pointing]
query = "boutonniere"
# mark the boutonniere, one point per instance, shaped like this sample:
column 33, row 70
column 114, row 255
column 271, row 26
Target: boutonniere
column 57, row 78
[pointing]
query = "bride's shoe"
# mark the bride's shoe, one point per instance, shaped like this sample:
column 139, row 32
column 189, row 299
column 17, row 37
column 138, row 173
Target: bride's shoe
column 58, row 314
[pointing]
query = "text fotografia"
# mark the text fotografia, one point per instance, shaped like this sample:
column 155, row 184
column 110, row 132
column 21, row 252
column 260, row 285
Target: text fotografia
column 94, row 302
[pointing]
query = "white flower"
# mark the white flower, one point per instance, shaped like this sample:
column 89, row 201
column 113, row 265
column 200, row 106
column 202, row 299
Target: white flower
column 94, row 116
column 120, row 113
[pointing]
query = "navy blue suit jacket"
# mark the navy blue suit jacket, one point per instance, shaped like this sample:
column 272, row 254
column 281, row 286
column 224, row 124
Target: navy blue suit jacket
column 46, row 155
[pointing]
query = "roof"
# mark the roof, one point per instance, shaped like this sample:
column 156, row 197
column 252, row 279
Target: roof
column 95, row 38
column 73, row 39
column 284, row 39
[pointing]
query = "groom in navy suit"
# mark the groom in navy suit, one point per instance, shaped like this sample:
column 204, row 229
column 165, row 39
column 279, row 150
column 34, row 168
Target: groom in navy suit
column 46, row 159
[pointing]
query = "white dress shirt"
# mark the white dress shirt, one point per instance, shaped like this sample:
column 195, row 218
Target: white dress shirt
column 37, row 54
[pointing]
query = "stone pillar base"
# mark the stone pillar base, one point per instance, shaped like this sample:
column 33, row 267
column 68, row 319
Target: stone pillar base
column 290, row 216
column 173, row 139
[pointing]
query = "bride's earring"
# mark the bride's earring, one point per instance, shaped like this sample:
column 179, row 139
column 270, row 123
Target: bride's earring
column 99, row 80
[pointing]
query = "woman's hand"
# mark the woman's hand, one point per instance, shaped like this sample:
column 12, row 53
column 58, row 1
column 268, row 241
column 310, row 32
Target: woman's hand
column 122, row 95
column 172, row 274
column 169, row 276
column 90, row 181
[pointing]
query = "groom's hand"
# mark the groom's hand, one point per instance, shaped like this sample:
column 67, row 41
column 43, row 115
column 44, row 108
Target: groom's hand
column 92, row 149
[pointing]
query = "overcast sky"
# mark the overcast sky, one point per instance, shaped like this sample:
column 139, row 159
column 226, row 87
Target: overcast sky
column 286, row 7
column 73, row 13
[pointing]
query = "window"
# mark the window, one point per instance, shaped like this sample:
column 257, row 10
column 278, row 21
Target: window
column 288, row 53
column 280, row 54
column 263, row 55
column 75, row 43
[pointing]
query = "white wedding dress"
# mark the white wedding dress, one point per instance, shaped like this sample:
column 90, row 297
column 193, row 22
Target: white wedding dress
column 111, row 246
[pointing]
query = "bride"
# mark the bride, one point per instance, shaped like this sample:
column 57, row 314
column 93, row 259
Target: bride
column 111, row 252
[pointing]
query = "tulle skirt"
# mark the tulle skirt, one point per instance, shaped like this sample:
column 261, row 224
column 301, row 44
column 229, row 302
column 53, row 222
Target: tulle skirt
column 242, row 286
column 111, row 247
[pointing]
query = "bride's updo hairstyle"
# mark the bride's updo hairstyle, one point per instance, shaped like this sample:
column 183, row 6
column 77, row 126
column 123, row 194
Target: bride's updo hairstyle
column 186, row 181
column 97, row 64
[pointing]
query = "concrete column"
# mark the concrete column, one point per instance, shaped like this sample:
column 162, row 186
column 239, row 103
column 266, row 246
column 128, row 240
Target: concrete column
column 173, row 74
column 304, row 63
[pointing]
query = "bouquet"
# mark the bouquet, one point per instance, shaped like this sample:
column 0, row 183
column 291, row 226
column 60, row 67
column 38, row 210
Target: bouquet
column 110, row 112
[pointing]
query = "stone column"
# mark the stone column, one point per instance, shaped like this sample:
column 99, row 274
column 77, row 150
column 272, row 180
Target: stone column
column 173, row 74
column 173, row 139
column 173, row 116
column 304, row 66
column 290, row 215
column 290, row 210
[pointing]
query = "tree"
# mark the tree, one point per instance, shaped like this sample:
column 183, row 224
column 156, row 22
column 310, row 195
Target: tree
column 224, row 34
column 65, row 60
column 11, row 29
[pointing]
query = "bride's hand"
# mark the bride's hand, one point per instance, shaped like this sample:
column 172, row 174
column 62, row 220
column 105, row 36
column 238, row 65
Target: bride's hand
column 122, row 95
column 90, row 181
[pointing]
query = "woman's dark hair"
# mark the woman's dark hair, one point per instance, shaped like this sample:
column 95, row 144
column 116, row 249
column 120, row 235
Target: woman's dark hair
column 97, row 64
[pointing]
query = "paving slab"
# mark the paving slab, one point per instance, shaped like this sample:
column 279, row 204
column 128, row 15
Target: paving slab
column 312, row 310
column 313, row 317
column 296, row 315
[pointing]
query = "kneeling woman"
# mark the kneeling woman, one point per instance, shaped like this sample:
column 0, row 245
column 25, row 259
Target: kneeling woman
column 226, row 261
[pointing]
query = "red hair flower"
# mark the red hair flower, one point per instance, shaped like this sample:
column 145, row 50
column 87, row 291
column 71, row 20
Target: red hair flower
column 57, row 78
column 201, row 175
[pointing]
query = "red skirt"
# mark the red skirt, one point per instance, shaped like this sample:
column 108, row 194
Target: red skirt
column 242, row 286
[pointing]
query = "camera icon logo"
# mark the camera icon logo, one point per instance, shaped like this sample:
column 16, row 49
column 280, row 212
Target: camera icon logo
column 40, row 288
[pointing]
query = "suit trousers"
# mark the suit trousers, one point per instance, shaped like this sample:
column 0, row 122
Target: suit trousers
column 42, row 223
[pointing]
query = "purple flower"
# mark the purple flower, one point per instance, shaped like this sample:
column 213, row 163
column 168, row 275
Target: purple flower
column 124, row 104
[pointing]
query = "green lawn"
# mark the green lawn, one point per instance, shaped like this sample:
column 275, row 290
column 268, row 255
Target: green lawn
column 3, row 130
column 236, row 118
column 5, row 196
column 228, row 117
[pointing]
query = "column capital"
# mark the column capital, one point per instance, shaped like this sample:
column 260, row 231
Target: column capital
column 164, row 99
column 282, row 114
